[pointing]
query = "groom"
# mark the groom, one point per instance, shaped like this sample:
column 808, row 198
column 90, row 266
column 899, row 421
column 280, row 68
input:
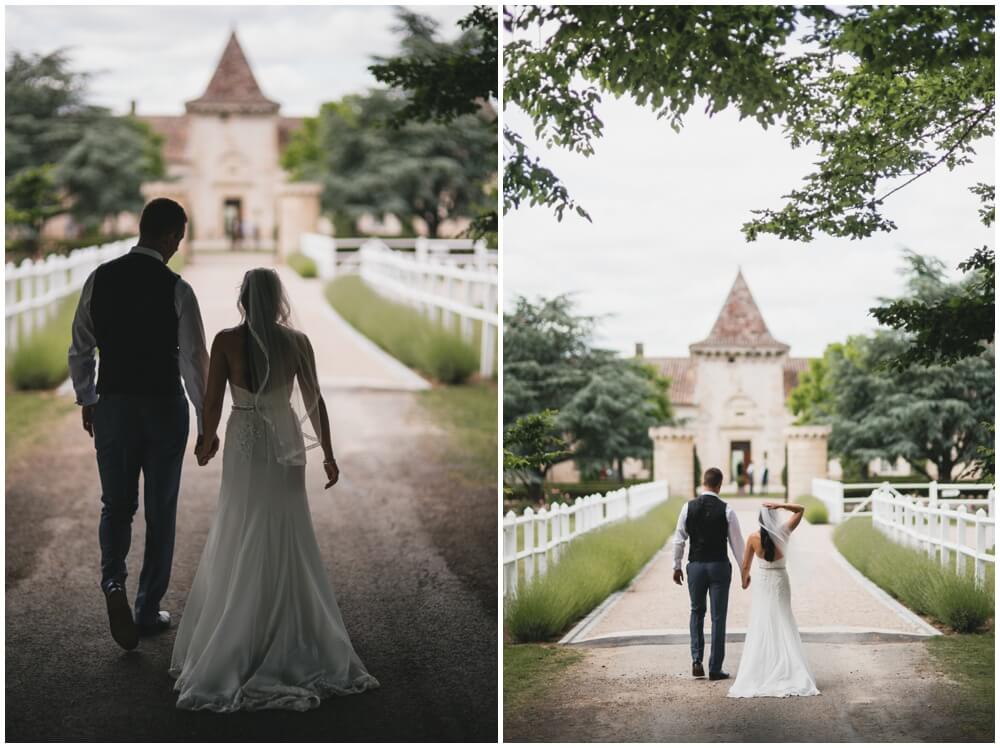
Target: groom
column 147, row 325
column 710, row 523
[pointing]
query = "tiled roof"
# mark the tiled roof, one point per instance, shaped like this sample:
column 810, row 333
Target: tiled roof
column 793, row 368
column 682, row 373
column 233, row 87
column 740, row 323
column 174, row 130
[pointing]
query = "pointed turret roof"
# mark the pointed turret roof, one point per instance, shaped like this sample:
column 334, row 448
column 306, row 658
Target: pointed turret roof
column 233, row 87
column 740, row 324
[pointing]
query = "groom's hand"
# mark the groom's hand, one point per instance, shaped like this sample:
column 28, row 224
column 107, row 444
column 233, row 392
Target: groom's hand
column 678, row 576
column 205, row 454
column 87, row 413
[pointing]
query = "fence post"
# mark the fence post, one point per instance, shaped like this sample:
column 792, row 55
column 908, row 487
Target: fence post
column 510, row 553
column 980, row 547
column 578, row 518
column 944, row 537
column 960, row 542
column 556, row 537
column 529, row 544
column 991, row 497
column 10, row 298
column 564, row 532
column 542, row 523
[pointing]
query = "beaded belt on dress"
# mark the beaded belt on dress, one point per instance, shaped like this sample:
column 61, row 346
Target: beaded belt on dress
column 244, row 407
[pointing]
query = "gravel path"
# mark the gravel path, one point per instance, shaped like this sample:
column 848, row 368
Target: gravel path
column 413, row 597
column 634, row 682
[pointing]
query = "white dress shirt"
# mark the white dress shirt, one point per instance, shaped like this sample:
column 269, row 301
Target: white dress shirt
column 735, row 536
column 193, row 355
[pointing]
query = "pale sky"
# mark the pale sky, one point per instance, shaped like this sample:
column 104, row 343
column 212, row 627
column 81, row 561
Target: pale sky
column 665, row 242
column 162, row 56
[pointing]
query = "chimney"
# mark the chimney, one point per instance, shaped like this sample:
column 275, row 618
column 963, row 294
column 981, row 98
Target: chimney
column 638, row 350
column 131, row 107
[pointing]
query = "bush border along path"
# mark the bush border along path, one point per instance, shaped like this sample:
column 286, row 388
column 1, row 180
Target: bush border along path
column 403, row 332
column 588, row 570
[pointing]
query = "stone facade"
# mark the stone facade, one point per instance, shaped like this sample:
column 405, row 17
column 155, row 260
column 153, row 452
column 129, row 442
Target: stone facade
column 223, row 164
column 731, row 391
column 807, row 458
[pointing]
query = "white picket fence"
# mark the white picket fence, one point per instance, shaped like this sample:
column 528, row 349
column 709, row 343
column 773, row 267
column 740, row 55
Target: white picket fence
column 927, row 524
column 34, row 289
column 444, row 292
column 840, row 507
column 546, row 531
column 334, row 255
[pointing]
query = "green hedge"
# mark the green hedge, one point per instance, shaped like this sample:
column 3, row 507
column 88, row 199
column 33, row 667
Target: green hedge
column 916, row 580
column 403, row 331
column 302, row 265
column 589, row 569
column 40, row 361
column 815, row 513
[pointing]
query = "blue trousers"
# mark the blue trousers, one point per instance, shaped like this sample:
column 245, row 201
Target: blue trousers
column 710, row 578
column 136, row 434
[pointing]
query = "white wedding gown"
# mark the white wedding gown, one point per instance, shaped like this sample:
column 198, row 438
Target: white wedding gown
column 261, row 628
column 773, row 661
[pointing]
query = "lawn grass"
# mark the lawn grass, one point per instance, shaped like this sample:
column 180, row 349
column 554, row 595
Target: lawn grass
column 469, row 413
column 40, row 361
column 403, row 331
column 815, row 513
column 302, row 265
column 917, row 581
column 529, row 671
column 969, row 660
column 29, row 417
column 588, row 570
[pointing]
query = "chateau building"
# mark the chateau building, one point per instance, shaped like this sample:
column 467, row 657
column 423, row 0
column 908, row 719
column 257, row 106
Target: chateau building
column 223, row 164
column 730, row 392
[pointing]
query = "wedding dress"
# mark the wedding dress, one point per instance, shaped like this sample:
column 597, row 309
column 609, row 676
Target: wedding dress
column 773, row 661
column 261, row 628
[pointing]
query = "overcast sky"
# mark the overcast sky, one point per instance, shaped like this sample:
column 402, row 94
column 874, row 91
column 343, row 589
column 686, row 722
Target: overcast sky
column 164, row 55
column 665, row 242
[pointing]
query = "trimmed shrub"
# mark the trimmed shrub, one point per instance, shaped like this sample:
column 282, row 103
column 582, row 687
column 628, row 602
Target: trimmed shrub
column 302, row 265
column 815, row 513
column 403, row 332
column 917, row 581
column 589, row 569
column 40, row 362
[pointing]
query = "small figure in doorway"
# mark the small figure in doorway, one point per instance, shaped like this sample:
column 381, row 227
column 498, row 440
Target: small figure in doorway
column 750, row 476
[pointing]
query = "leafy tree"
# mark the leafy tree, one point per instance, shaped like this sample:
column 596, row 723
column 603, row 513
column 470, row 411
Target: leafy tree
column 445, row 81
column 531, row 447
column 425, row 169
column 811, row 399
column 609, row 418
column 887, row 93
column 547, row 355
column 105, row 169
column 936, row 413
column 32, row 198
column 46, row 109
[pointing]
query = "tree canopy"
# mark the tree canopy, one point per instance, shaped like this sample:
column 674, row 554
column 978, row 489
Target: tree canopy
column 887, row 94
column 445, row 82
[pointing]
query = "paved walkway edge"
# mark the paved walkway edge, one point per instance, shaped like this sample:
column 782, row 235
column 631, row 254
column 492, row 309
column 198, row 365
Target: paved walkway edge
column 594, row 617
column 409, row 379
column 884, row 597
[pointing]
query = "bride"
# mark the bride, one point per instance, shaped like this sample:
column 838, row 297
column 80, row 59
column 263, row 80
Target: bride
column 261, row 628
column 773, row 661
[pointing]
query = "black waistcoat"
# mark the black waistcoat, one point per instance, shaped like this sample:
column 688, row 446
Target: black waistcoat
column 135, row 320
column 708, row 529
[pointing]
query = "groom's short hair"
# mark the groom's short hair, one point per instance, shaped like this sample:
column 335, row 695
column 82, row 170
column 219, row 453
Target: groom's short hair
column 162, row 216
column 713, row 479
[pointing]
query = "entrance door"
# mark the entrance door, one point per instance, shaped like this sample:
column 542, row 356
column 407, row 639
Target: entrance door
column 739, row 458
column 232, row 214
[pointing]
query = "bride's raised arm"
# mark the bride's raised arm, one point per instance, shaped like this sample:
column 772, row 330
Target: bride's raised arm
column 796, row 509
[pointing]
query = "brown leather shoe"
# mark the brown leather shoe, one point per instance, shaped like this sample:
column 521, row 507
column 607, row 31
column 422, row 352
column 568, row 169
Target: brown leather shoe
column 718, row 676
column 123, row 629
column 697, row 670
column 157, row 626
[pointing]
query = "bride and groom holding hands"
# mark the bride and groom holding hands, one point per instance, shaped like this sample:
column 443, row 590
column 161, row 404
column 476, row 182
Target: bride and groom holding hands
column 773, row 662
column 261, row 627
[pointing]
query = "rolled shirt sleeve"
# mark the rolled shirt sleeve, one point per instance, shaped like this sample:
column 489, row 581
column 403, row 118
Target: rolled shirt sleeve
column 680, row 537
column 83, row 349
column 192, row 353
